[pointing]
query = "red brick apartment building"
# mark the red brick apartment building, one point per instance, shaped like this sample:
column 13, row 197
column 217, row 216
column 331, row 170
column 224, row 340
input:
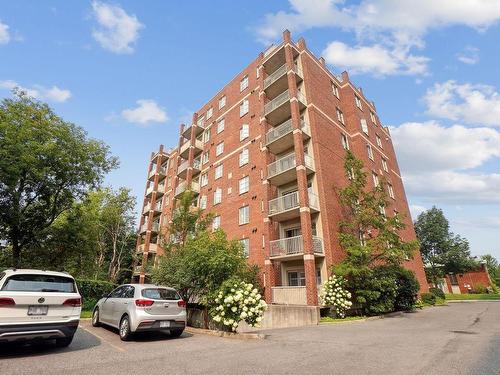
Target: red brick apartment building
column 265, row 155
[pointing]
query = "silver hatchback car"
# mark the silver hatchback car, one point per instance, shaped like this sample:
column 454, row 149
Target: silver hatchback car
column 141, row 307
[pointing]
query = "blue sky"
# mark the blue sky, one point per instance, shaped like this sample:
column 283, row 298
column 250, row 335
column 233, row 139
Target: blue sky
column 129, row 72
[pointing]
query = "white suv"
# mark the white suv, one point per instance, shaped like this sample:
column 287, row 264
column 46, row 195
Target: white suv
column 38, row 305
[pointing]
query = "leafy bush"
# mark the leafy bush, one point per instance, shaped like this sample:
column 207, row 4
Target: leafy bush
column 480, row 288
column 428, row 298
column 88, row 304
column 418, row 304
column 92, row 290
column 437, row 292
column 235, row 301
column 407, row 289
column 334, row 294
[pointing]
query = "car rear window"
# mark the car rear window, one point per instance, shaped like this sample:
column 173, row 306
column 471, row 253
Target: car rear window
column 160, row 293
column 39, row 283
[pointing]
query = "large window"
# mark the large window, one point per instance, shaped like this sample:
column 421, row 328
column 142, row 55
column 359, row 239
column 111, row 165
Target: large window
column 204, row 179
column 244, row 216
column 244, row 184
column 244, row 156
column 296, row 278
column 340, row 116
column 244, row 131
column 39, row 283
column 376, row 182
column 206, row 135
column 222, row 102
column 210, row 112
column 369, row 150
column 220, row 125
column 345, row 141
column 216, row 223
column 335, row 90
column 244, row 107
column 219, row 149
column 217, row 196
column 391, row 191
column 246, row 246
column 219, row 170
column 244, row 83
column 364, row 126
column 358, row 102
column 384, row 165
column 203, row 202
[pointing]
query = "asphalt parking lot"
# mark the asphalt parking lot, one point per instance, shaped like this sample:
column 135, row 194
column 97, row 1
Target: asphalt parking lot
column 461, row 338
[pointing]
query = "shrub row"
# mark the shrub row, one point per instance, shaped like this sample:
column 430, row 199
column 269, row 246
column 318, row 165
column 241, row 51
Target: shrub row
column 92, row 290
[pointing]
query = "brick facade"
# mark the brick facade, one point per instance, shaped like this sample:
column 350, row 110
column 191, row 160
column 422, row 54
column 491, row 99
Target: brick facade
column 294, row 168
column 466, row 282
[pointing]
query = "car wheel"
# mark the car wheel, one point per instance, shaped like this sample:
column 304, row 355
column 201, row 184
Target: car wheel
column 125, row 332
column 64, row 342
column 176, row 332
column 95, row 318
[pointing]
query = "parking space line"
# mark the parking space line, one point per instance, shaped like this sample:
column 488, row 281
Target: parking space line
column 103, row 339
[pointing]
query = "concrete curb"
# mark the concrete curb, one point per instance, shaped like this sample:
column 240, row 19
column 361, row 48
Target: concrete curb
column 472, row 300
column 230, row 335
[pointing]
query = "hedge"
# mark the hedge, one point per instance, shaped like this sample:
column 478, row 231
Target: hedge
column 92, row 290
column 437, row 292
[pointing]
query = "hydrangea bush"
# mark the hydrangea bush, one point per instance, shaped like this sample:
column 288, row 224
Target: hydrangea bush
column 335, row 295
column 236, row 301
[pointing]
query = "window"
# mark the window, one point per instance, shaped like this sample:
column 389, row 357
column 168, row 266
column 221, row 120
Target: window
column 219, row 149
column 375, row 180
column 373, row 118
column 219, row 170
column 203, row 202
column 244, row 215
column 204, row 179
column 384, row 165
column 39, row 283
column 200, row 121
column 222, row 102
column 335, row 90
column 245, row 242
column 318, row 276
column 358, row 102
column 244, row 184
column 244, row 83
column 382, row 210
column 244, row 107
column 345, row 141
column 453, row 279
column 216, row 223
column 244, row 131
column 391, row 191
column 340, row 116
column 206, row 135
column 297, row 278
column 205, row 157
column 379, row 142
column 244, row 157
column 364, row 126
column 220, row 125
column 210, row 112
column 217, row 196
column 370, row 151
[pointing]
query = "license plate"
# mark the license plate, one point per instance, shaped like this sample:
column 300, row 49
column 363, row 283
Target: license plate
column 164, row 324
column 38, row 310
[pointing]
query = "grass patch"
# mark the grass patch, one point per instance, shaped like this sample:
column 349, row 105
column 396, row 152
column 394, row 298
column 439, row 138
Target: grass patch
column 466, row 297
column 327, row 319
column 86, row 314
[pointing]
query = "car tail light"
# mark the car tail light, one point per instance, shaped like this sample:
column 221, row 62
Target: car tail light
column 143, row 302
column 75, row 302
column 6, row 302
column 181, row 303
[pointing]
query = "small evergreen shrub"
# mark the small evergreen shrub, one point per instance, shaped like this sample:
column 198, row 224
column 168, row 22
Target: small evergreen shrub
column 437, row 292
column 428, row 298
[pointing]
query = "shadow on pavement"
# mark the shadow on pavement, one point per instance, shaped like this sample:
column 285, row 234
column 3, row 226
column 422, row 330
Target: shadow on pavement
column 146, row 336
column 82, row 340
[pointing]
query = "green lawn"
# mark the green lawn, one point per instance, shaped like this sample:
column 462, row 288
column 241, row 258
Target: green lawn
column 86, row 314
column 464, row 297
column 327, row 319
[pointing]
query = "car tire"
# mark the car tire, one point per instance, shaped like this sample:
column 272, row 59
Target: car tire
column 124, row 329
column 64, row 342
column 95, row 318
column 176, row 332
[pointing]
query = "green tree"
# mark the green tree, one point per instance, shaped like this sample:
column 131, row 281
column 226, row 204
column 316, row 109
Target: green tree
column 493, row 267
column 370, row 239
column 46, row 164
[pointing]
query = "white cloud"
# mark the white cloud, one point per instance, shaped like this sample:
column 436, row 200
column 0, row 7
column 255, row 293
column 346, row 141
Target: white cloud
column 4, row 33
column 398, row 26
column 438, row 163
column 52, row 94
column 375, row 59
column 416, row 210
column 469, row 56
column 147, row 111
column 473, row 104
column 118, row 31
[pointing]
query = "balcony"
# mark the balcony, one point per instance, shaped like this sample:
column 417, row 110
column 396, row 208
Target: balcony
column 157, row 208
column 155, row 227
column 160, row 190
column 283, row 170
column 190, row 128
column 280, row 138
column 184, row 150
column 143, row 228
column 146, row 209
column 150, row 190
column 196, row 166
column 153, row 248
column 138, row 269
column 182, row 170
column 293, row 247
column 277, row 81
column 287, row 206
column 181, row 188
column 289, row 295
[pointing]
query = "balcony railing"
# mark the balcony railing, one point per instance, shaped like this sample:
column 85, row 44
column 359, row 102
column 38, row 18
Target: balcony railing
column 152, row 172
column 291, row 201
column 283, row 129
column 196, row 164
column 289, row 295
column 149, row 190
column 301, row 97
column 271, row 78
column 195, row 186
column 144, row 227
column 138, row 269
column 161, row 189
column 294, row 246
column 146, row 208
column 181, row 188
column 183, row 167
column 155, row 227
column 281, row 165
column 185, row 146
column 276, row 102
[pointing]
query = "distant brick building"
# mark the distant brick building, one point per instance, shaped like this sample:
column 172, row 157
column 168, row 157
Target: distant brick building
column 467, row 282
column 266, row 155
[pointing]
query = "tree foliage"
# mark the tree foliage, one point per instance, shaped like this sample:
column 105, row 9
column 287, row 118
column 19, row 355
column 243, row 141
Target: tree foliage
column 46, row 164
